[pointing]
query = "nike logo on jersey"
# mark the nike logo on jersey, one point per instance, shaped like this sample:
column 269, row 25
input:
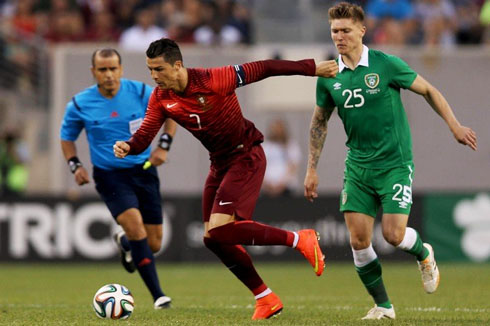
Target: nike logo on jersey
column 221, row 203
column 171, row 105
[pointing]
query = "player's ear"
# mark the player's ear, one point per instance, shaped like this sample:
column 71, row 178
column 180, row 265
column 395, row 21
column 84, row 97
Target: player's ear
column 178, row 65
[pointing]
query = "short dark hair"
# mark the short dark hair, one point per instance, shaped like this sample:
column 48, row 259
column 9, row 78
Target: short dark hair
column 106, row 53
column 165, row 48
column 346, row 10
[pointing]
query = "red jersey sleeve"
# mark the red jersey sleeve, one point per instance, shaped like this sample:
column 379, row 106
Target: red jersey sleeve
column 225, row 80
column 154, row 118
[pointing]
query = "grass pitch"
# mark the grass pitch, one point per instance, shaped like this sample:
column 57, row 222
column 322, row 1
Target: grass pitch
column 208, row 294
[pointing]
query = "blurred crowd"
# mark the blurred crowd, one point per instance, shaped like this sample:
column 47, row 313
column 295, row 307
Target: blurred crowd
column 131, row 22
column 429, row 22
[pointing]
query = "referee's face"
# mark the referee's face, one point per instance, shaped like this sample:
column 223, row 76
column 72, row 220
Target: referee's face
column 347, row 34
column 107, row 72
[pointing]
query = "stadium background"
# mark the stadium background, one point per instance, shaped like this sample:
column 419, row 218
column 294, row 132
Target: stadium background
column 54, row 220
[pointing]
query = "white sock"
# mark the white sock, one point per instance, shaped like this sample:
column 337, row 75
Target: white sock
column 408, row 240
column 296, row 239
column 364, row 256
column 263, row 294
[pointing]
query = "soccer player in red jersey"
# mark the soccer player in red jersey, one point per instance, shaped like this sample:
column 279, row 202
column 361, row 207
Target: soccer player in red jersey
column 204, row 102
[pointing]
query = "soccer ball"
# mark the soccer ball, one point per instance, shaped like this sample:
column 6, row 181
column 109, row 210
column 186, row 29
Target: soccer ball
column 113, row 301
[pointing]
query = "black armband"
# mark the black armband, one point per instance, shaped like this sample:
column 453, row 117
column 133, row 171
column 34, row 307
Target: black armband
column 165, row 141
column 74, row 163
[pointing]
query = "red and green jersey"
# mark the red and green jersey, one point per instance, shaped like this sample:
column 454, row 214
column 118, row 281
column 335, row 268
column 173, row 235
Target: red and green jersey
column 369, row 104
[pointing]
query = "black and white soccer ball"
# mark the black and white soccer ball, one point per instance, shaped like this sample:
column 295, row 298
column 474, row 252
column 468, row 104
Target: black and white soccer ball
column 113, row 301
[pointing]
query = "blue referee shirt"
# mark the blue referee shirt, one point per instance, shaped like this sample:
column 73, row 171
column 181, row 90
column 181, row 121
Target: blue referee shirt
column 106, row 121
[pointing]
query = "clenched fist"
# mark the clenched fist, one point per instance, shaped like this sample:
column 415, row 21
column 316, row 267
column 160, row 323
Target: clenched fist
column 327, row 69
column 121, row 149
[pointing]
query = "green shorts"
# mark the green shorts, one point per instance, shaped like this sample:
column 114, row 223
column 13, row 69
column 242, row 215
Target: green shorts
column 365, row 190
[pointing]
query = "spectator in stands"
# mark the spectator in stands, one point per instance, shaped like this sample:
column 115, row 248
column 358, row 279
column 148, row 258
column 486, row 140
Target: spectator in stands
column 23, row 20
column 181, row 19
column 389, row 21
column 240, row 19
column 13, row 158
column 283, row 158
column 91, row 8
column 215, row 30
column 139, row 36
column 438, row 21
column 468, row 30
column 103, row 28
column 66, row 26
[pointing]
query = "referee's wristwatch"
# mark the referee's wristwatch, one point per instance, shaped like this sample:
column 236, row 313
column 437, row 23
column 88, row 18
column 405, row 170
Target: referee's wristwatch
column 165, row 141
column 74, row 163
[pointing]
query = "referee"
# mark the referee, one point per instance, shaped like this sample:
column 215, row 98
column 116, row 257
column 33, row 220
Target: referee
column 110, row 110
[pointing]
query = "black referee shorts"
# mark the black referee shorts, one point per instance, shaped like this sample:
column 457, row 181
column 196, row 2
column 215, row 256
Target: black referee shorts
column 122, row 189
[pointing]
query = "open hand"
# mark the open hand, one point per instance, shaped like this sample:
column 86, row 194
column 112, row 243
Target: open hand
column 466, row 136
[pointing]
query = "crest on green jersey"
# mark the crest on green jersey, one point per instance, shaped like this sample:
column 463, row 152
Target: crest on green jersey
column 372, row 80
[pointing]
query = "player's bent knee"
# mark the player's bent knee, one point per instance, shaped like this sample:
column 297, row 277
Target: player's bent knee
column 155, row 245
column 359, row 244
column 394, row 237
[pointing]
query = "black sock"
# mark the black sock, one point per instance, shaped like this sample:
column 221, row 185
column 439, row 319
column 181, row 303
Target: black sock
column 145, row 263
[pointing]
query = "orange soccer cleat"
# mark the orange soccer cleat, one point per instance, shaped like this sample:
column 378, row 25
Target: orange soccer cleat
column 310, row 248
column 267, row 307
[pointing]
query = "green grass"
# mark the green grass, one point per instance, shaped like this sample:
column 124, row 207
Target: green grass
column 207, row 294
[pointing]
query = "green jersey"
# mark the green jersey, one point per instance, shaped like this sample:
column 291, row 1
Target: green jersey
column 369, row 104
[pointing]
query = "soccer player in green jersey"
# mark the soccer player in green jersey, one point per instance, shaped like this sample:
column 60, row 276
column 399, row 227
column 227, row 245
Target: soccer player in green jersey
column 379, row 167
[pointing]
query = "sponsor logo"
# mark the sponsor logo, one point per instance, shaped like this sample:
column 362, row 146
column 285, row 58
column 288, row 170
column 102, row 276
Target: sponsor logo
column 171, row 105
column 473, row 217
column 403, row 204
column 337, row 86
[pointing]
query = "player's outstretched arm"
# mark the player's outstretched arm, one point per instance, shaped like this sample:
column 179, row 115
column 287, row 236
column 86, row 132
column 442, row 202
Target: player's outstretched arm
column 121, row 149
column 436, row 100
column 318, row 133
column 327, row 69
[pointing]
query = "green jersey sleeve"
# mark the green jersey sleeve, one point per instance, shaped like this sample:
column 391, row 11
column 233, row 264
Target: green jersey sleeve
column 323, row 97
column 402, row 76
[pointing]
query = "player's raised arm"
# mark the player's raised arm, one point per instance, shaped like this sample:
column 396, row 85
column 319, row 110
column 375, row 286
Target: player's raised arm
column 438, row 102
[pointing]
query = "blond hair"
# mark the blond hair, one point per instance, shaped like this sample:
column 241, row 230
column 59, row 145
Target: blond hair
column 346, row 10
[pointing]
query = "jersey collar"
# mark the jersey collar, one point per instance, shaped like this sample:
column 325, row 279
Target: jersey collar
column 363, row 62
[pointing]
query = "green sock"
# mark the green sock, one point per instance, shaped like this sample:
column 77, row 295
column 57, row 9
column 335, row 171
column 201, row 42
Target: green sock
column 418, row 249
column 371, row 278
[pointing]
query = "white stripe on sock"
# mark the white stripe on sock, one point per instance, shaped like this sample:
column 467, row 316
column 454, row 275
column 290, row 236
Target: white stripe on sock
column 296, row 239
column 263, row 294
column 364, row 256
column 408, row 240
